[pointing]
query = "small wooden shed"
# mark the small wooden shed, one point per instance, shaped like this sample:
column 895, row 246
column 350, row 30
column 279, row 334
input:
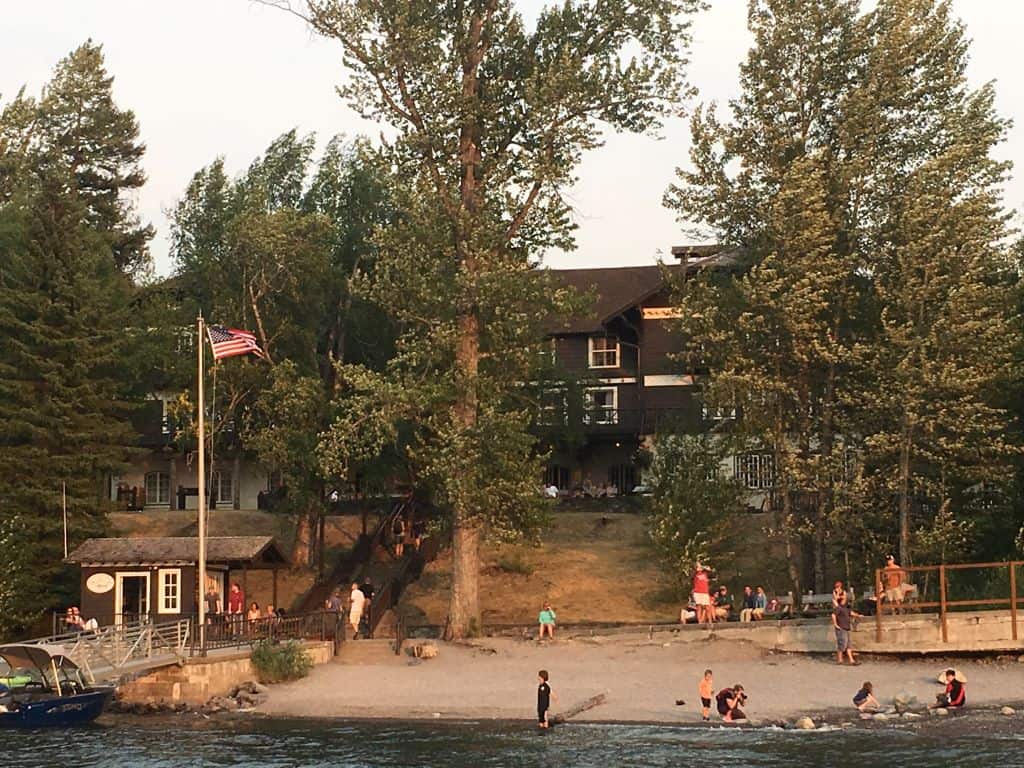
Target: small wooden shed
column 126, row 579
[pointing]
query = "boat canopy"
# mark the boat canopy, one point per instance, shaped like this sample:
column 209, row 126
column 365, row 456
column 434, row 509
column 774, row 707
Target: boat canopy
column 41, row 657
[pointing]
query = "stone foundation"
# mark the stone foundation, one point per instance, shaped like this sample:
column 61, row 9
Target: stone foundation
column 198, row 680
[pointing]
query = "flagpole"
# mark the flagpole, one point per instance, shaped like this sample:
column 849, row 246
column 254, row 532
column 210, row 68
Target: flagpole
column 201, row 436
column 64, row 506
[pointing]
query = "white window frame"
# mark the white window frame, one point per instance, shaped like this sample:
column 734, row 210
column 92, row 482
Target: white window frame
column 168, row 604
column 145, row 488
column 591, row 351
column 218, row 484
column 594, row 414
column 119, row 577
column 755, row 470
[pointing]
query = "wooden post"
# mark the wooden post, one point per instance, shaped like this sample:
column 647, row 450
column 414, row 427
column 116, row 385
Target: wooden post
column 942, row 602
column 320, row 557
column 1013, row 598
column 878, row 605
column 276, row 606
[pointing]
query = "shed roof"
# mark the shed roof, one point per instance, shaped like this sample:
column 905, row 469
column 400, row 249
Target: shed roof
column 251, row 551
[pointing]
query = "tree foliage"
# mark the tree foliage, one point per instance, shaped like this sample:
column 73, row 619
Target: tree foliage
column 869, row 329
column 278, row 250
column 68, row 236
column 693, row 503
column 490, row 118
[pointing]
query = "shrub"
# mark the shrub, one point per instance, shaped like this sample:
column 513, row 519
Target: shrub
column 515, row 564
column 278, row 662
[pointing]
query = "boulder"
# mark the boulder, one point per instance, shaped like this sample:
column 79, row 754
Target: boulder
column 804, row 724
column 424, row 651
column 910, row 716
column 903, row 700
column 1008, row 711
column 939, row 711
column 880, row 716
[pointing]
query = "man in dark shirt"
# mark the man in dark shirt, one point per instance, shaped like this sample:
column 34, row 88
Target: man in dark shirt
column 954, row 696
column 842, row 622
column 543, row 699
column 723, row 603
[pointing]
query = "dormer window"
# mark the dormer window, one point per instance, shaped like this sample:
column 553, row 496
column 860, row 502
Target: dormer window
column 604, row 352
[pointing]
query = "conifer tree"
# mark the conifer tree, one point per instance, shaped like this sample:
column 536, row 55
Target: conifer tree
column 63, row 312
column 856, row 175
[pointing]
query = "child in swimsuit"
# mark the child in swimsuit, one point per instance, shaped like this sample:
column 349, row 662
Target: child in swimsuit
column 706, row 690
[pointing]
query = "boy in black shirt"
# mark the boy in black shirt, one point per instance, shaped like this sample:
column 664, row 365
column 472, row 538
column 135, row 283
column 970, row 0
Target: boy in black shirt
column 543, row 699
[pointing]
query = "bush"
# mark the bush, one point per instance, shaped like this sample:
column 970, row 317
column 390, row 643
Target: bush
column 515, row 564
column 278, row 662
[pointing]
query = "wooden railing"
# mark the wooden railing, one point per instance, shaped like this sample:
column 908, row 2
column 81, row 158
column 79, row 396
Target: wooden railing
column 933, row 592
column 239, row 632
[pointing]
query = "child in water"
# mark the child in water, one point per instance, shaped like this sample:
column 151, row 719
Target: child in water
column 865, row 700
column 706, row 691
column 543, row 699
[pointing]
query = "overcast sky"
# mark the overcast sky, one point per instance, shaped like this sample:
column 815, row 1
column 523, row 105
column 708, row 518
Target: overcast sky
column 224, row 77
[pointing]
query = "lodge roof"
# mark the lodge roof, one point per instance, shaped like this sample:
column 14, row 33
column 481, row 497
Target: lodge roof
column 236, row 551
column 617, row 289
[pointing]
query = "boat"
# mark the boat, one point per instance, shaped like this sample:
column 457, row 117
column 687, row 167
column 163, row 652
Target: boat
column 40, row 687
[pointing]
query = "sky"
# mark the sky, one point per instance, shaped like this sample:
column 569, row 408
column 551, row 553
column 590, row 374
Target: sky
column 209, row 78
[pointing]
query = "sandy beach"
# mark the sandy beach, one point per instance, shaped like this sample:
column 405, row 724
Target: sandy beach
column 496, row 678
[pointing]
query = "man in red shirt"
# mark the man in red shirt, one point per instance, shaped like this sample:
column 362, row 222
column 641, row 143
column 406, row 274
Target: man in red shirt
column 236, row 605
column 702, row 596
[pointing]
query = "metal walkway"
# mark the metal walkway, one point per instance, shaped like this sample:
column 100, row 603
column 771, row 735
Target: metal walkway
column 111, row 652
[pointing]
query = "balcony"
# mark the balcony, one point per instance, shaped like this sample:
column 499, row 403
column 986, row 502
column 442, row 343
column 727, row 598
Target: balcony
column 616, row 421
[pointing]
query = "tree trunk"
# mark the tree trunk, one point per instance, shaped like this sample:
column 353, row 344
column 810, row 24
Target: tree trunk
column 302, row 549
column 464, row 609
column 904, row 492
column 783, row 491
column 464, row 606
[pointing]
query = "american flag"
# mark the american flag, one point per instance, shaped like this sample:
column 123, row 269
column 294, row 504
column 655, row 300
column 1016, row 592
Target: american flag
column 228, row 342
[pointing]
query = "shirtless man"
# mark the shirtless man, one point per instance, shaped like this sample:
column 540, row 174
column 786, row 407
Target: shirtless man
column 892, row 581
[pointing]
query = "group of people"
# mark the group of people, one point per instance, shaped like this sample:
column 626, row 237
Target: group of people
column 360, row 598
column 75, row 622
column 708, row 606
column 730, row 701
column 954, row 696
column 233, row 613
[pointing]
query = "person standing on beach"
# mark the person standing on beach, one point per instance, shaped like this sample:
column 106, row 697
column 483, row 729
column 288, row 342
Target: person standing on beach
column 544, row 696
column 702, row 595
column 842, row 622
column 892, row 578
column 706, row 691
column 355, row 611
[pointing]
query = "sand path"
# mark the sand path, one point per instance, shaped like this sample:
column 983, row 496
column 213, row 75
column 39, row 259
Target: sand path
column 642, row 677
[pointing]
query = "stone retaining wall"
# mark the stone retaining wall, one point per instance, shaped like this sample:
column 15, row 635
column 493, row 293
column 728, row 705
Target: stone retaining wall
column 199, row 679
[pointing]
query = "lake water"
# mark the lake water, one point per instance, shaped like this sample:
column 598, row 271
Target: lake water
column 170, row 742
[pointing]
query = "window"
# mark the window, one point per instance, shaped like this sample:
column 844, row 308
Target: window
column 601, row 406
column 717, row 413
column 623, row 477
column 755, row 470
column 604, row 352
column 158, row 487
column 169, row 596
column 274, row 480
column 223, row 489
column 553, row 410
column 557, row 476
